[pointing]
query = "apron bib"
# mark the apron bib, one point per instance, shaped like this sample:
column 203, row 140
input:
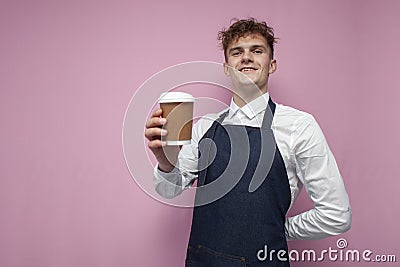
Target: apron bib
column 231, row 230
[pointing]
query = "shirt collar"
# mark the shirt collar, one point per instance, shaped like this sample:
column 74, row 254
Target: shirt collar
column 252, row 108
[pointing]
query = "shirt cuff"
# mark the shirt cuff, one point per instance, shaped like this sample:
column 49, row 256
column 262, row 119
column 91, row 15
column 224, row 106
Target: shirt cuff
column 172, row 176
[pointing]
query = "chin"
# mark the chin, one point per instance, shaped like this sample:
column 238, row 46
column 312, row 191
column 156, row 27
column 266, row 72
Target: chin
column 248, row 81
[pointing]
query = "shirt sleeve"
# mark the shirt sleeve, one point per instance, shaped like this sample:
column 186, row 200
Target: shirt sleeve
column 170, row 185
column 317, row 170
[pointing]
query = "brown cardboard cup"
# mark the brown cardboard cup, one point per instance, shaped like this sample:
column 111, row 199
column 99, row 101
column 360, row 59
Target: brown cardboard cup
column 177, row 108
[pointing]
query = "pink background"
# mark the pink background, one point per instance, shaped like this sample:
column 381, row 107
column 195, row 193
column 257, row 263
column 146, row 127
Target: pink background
column 68, row 70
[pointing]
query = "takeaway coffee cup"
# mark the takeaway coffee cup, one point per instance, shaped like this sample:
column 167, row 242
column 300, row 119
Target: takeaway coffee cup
column 177, row 108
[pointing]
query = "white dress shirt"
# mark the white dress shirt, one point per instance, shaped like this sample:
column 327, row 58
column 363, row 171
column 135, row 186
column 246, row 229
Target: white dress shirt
column 307, row 158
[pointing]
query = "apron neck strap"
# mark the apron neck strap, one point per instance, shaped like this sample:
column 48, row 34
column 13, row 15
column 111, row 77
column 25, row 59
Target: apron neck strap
column 269, row 114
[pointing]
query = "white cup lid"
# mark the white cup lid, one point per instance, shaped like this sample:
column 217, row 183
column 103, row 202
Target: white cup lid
column 170, row 97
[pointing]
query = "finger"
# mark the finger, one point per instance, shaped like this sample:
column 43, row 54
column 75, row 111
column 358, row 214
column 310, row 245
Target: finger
column 157, row 113
column 155, row 122
column 155, row 133
column 156, row 144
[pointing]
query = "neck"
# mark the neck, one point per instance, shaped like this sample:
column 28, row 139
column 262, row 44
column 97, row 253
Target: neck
column 241, row 99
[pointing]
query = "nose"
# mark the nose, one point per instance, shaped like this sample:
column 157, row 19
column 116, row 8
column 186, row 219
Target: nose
column 247, row 57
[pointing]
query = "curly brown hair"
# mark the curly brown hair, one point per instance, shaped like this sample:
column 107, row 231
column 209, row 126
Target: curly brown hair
column 244, row 27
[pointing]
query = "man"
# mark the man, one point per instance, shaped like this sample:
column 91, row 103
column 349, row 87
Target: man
column 232, row 230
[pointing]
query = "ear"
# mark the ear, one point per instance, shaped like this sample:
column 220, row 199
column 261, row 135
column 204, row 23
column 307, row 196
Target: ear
column 272, row 66
column 226, row 69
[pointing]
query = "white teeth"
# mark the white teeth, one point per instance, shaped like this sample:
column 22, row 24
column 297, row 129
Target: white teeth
column 247, row 69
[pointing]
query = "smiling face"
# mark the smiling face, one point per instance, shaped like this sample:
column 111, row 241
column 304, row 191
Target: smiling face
column 251, row 56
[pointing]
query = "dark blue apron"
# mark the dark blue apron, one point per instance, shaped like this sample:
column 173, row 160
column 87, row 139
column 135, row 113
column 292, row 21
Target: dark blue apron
column 233, row 229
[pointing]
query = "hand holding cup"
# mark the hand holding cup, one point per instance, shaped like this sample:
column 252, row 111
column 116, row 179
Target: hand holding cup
column 170, row 127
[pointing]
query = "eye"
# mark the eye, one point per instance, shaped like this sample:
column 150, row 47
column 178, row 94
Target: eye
column 257, row 51
column 235, row 54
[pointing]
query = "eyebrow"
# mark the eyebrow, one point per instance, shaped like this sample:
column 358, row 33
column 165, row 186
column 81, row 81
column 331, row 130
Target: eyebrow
column 252, row 47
